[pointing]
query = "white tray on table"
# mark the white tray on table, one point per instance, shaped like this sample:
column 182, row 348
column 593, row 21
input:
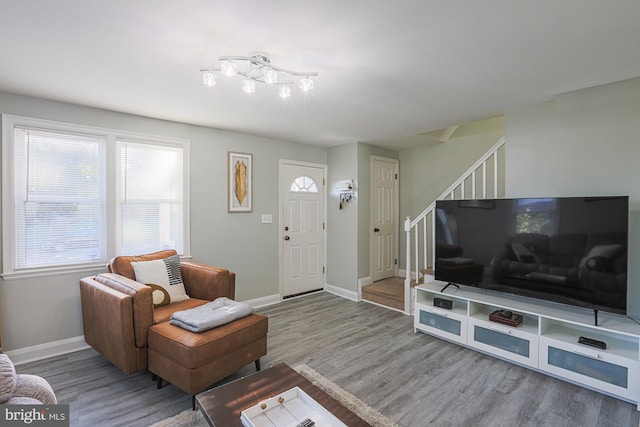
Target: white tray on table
column 289, row 409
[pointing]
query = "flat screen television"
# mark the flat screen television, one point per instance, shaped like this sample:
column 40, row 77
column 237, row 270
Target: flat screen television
column 569, row 250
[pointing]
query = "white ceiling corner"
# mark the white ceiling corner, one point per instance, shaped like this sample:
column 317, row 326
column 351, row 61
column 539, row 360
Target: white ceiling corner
column 388, row 71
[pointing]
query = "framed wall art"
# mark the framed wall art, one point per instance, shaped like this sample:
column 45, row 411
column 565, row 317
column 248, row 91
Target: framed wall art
column 240, row 182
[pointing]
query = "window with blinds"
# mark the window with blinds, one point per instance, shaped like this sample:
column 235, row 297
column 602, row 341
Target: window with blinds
column 59, row 202
column 150, row 197
column 76, row 196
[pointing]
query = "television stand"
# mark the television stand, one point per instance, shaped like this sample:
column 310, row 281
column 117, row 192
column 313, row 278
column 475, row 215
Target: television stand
column 547, row 340
column 449, row 284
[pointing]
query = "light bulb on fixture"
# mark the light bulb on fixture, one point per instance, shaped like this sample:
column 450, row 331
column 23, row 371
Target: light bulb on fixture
column 258, row 68
column 306, row 84
column 249, row 86
column 228, row 68
column 270, row 75
column 284, row 92
column 209, row 79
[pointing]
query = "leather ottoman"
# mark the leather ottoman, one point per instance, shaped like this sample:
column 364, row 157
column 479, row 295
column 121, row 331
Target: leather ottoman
column 194, row 361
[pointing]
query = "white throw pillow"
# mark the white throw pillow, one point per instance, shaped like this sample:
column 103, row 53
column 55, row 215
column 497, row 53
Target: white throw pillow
column 164, row 273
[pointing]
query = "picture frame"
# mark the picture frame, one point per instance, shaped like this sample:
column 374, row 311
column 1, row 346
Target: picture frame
column 239, row 182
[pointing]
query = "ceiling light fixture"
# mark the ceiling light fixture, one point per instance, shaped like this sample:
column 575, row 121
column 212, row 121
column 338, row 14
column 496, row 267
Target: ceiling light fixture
column 209, row 79
column 228, row 68
column 284, row 91
column 258, row 68
column 306, row 85
column 249, row 86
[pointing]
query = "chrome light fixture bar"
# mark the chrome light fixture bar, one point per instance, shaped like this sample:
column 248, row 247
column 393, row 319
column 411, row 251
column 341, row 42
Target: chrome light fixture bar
column 258, row 68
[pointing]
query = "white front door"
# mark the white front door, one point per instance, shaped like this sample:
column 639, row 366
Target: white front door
column 384, row 173
column 303, row 224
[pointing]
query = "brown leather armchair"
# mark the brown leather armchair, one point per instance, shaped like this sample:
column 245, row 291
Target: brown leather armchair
column 117, row 311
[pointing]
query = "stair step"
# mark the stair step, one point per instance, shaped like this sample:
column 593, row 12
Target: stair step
column 387, row 292
column 383, row 300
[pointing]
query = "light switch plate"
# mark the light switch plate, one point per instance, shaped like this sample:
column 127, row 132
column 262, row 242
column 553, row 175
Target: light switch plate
column 267, row 218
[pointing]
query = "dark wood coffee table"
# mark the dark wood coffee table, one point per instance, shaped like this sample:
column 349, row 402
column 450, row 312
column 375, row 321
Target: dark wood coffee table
column 222, row 405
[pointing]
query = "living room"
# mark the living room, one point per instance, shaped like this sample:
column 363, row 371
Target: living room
column 581, row 139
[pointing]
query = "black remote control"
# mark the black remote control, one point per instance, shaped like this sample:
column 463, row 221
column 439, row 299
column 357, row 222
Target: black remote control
column 592, row 342
column 307, row 423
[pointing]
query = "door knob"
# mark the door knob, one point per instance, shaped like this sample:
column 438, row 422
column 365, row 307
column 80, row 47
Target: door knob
column 286, row 237
column 375, row 230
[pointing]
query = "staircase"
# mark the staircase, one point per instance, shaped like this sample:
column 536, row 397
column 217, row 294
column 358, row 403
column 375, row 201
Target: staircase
column 485, row 179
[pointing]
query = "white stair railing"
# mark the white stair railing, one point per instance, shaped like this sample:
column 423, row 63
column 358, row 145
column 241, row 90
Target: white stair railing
column 482, row 180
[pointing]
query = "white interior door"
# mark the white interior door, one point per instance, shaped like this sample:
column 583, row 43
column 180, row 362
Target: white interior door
column 384, row 173
column 303, row 236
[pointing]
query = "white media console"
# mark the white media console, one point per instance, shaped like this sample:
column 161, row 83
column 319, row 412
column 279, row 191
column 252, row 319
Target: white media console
column 546, row 340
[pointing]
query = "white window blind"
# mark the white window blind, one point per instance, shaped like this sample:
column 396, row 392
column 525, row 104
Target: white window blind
column 58, row 198
column 74, row 196
column 150, row 197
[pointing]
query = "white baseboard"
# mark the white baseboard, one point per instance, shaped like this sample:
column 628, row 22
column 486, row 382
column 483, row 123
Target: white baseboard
column 341, row 292
column 69, row 345
column 46, row 350
column 363, row 281
column 265, row 301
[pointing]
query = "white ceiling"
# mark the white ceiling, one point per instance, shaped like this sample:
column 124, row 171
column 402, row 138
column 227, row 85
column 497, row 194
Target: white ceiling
column 388, row 70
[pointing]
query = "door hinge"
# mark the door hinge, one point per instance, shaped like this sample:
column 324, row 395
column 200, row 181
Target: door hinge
column 323, row 183
column 323, row 225
column 396, row 176
column 395, row 261
column 323, row 269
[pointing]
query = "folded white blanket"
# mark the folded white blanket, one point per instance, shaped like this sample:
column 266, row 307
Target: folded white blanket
column 218, row 312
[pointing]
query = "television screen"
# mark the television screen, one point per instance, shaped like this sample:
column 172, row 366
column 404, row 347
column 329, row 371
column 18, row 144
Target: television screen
column 570, row 250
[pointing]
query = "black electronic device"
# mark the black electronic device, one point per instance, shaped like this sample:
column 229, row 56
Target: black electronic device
column 443, row 303
column 560, row 249
column 593, row 343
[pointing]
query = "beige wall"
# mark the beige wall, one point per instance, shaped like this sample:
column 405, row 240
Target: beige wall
column 426, row 172
column 583, row 143
column 40, row 310
column 342, row 224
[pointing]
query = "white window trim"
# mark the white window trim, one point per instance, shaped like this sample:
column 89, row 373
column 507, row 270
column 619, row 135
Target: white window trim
column 8, row 124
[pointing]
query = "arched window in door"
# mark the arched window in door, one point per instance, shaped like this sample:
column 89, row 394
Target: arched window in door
column 303, row 184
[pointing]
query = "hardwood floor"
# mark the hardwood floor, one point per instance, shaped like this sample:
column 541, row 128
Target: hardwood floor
column 387, row 292
column 414, row 379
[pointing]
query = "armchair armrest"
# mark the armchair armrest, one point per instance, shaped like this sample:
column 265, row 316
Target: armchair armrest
column 116, row 314
column 208, row 283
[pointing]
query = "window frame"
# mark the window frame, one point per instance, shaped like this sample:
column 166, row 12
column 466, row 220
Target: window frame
column 110, row 164
column 312, row 189
column 120, row 144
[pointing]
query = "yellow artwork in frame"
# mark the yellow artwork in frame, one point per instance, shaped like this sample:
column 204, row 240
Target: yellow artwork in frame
column 240, row 182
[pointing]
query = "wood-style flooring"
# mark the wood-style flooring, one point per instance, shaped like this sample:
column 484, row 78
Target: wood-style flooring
column 388, row 292
column 413, row 378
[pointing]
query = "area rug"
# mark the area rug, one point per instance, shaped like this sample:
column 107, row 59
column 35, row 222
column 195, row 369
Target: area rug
column 189, row 418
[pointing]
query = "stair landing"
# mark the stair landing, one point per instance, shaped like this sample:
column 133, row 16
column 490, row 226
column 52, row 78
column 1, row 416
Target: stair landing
column 388, row 292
